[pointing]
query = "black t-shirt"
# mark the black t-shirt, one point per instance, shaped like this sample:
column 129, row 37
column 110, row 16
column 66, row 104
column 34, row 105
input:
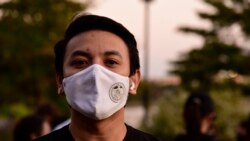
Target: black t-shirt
column 64, row 134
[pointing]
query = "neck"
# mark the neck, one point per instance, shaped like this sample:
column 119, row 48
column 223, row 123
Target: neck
column 110, row 129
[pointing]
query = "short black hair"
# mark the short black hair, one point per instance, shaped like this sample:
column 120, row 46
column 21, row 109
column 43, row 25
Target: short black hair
column 83, row 23
column 31, row 124
column 198, row 105
column 201, row 100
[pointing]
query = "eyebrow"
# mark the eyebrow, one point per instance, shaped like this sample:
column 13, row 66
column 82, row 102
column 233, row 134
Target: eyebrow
column 109, row 53
column 80, row 53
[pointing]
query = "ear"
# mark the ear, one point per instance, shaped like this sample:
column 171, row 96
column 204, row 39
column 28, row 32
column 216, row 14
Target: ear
column 33, row 136
column 207, row 123
column 59, row 84
column 134, row 82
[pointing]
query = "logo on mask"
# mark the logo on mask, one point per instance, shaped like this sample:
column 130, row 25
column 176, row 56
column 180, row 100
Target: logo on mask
column 116, row 92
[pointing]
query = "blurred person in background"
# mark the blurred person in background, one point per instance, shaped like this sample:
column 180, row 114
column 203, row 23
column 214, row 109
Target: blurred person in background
column 50, row 113
column 97, row 64
column 243, row 131
column 198, row 115
column 30, row 127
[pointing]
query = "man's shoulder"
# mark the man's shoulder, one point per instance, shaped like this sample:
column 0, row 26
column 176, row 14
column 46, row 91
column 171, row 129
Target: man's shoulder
column 137, row 135
column 62, row 134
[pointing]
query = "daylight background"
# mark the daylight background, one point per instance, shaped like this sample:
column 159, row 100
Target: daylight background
column 194, row 45
column 166, row 42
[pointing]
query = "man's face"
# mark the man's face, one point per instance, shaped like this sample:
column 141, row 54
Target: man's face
column 96, row 47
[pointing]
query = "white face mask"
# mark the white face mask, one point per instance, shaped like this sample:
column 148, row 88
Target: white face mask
column 96, row 92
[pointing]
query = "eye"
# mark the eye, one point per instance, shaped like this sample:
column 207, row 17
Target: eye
column 79, row 63
column 111, row 62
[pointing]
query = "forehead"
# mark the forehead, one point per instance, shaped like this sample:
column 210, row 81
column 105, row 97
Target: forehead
column 96, row 40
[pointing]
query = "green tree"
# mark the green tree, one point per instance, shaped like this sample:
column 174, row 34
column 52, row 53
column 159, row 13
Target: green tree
column 28, row 31
column 222, row 53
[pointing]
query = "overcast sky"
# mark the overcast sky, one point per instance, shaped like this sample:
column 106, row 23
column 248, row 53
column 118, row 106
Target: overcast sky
column 166, row 42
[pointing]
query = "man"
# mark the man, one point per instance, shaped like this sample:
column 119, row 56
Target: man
column 97, row 66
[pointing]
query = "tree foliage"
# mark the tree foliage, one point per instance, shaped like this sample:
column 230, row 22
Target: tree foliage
column 28, row 31
column 223, row 53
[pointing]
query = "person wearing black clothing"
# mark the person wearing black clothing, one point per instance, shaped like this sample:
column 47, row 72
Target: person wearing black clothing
column 198, row 117
column 30, row 127
column 97, row 65
column 202, row 137
column 243, row 130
